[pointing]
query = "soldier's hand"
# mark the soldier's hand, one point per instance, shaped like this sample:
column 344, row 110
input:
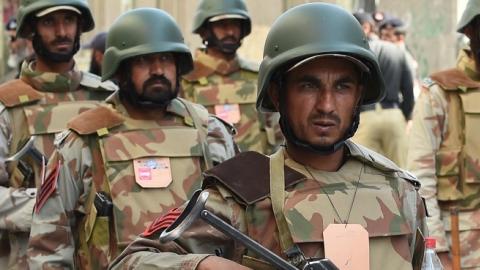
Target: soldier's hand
column 215, row 262
column 445, row 260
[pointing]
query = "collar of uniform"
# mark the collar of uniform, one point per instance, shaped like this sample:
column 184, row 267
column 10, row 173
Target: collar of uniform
column 50, row 81
column 467, row 65
column 217, row 65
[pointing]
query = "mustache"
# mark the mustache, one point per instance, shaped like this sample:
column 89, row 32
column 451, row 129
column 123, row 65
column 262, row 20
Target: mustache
column 229, row 38
column 62, row 40
column 326, row 116
column 154, row 79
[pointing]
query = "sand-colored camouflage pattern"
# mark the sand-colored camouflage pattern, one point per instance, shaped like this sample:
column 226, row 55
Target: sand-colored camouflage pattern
column 63, row 96
column 216, row 81
column 444, row 154
column 91, row 163
column 387, row 206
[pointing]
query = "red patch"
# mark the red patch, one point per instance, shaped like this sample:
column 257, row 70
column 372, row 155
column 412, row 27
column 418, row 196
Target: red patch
column 162, row 222
column 48, row 187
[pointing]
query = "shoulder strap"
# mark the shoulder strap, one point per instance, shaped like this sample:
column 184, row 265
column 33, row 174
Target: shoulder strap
column 246, row 170
column 98, row 120
column 200, row 117
column 454, row 79
column 18, row 92
column 93, row 81
column 199, row 71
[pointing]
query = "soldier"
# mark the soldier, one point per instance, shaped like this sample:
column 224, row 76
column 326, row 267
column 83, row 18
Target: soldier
column 222, row 81
column 121, row 165
column 326, row 186
column 383, row 125
column 50, row 91
column 444, row 146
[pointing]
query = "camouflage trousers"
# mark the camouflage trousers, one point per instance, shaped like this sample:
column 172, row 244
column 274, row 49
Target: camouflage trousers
column 384, row 131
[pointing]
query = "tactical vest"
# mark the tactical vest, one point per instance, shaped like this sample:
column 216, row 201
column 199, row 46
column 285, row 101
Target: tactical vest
column 125, row 150
column 458, row 158
column 379, row 206
column 223, row 95
column 43, row 114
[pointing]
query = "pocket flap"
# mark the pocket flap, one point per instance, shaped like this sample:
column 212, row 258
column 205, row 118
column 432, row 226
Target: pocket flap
column 375, row 207
column 48, row 119
column 168, row 142
column 228, row 93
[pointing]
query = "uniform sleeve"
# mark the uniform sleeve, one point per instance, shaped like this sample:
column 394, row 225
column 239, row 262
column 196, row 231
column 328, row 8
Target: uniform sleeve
column 198, row 242
column 16, row 207
column 5, row 141
column 425, row 137
column 52, row 238
column 406, row 87
column 220, row 140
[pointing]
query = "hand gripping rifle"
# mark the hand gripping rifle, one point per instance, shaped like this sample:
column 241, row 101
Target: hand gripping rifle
column 196, row 209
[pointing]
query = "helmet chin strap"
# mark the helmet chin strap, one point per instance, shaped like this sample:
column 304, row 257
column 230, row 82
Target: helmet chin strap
column 321, row 150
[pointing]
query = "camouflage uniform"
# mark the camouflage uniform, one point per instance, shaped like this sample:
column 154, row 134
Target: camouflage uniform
column 215, row 83
column 38, row 104
column 387, row 206
column 91, row 161
column 444, row 153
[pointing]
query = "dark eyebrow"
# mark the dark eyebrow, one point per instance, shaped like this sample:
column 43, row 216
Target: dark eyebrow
column 347, row 79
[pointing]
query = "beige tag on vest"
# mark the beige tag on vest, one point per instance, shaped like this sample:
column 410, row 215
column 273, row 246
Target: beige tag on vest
column 347, row 246
column 228, row 112
column 153, row 172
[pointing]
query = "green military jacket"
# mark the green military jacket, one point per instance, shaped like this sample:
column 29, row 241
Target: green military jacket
column 144, row 167
column 228, row 89
column 37, row 104
column 386, row 205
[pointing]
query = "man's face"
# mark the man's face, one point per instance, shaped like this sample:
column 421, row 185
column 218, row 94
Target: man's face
column 388, row 34
column 154, row 76
column 321, row 96
column 228, row 31
column 57, row 31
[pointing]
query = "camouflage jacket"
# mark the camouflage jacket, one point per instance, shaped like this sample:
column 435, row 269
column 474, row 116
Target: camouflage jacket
column 108, row 151
column 387, row 205
column 38, row 104
column 228, row 89
column 443, row 154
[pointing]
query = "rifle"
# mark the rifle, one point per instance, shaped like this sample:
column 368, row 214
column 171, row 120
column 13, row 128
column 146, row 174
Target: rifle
column 28, row 148
column 196, row 209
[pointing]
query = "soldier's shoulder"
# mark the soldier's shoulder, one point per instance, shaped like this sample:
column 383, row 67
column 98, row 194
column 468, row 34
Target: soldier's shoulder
column 200, row 71
column 97, row 120
column 381, row 163
column 244, row 171
column 451, row 80
column 94, row 82
column 189, row 110
column 215, row 121
column 248, row 65
column 17, row 93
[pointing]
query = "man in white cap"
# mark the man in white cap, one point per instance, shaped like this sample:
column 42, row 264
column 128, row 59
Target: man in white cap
column 49, row 92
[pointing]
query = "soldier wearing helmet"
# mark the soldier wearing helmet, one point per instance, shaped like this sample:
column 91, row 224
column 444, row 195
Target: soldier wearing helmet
column 321, row 186
column 49, row 92
column 222, row 81
column 444, row 146
column 120, row 165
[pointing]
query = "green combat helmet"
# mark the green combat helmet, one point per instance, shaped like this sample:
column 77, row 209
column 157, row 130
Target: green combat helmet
column 207, row 9
column 326, row 30
column 471, row 11
column 28, row 9
column 144, row 31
